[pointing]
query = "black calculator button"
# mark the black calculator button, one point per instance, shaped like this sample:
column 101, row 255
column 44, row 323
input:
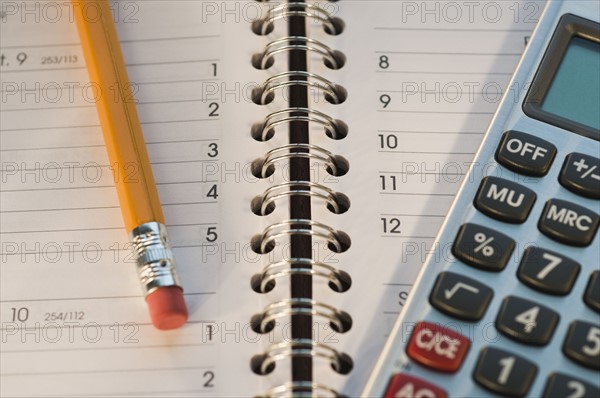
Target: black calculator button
column 582, row 344
column 561, row 385
column 568, row 223
column 504, row 200
column 504, row 373
column 525, row 153
column 592, row 292
column 525, row 321
column 581, row 174
column 460, row 297
column 547, row 271
column 482, row 247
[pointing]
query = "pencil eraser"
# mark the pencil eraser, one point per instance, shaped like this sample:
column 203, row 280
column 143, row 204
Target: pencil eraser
column 167, row 307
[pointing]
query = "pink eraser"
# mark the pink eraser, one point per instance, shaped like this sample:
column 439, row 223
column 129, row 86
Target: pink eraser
column 167, row 307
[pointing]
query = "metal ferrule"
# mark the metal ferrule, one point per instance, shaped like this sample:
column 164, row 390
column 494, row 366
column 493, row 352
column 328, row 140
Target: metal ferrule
column 154, row 257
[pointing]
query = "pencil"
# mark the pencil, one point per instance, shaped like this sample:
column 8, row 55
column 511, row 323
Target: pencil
column 136, row 189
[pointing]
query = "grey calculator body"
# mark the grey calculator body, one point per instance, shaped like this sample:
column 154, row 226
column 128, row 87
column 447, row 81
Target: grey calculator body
column 530, row 333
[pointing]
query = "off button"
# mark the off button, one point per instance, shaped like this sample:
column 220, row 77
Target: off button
column 525, row 153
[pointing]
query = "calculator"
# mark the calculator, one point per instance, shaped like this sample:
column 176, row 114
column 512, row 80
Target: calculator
column 508, row 301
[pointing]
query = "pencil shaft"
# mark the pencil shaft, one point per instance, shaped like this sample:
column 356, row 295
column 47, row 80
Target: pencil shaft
column 117, row 112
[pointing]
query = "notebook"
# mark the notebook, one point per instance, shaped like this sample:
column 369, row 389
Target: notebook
column 305, row 156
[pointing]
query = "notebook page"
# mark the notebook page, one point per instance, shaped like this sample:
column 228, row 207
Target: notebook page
column 423, row 82
column 74, row 322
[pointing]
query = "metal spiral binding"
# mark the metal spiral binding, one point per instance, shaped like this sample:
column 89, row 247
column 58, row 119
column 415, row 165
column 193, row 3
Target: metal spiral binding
column 336, row 165
column 266, row 241
column 331, row 57
column 334, row 128
column 301, row 389
column 286, row 10
column 307, row 151
column 264, row 282
column 265, row 363
column 264, row 93
column 266, row 202
column 264, row 322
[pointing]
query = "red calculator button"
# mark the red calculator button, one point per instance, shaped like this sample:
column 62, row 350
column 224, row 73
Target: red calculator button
column 405, row 386
column 437, row 347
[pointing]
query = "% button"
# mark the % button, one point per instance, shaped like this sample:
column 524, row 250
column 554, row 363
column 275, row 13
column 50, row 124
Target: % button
column 482, row 247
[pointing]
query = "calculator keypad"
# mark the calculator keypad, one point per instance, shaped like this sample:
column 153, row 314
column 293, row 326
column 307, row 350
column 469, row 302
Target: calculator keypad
column 504, row 200
column 547, row 271
column 581, row 175
column 504, row 373
column 525, row 321
column 568, row 223
column 525, row 154
column 460, row 297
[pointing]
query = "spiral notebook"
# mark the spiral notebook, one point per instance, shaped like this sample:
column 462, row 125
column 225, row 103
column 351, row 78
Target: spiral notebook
column 305, row 155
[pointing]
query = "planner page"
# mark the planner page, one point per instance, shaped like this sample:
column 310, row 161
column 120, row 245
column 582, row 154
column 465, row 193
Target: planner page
column 423, row 80
column 74, row 322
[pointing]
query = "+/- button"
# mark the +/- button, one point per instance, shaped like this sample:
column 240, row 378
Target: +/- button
column 581, row 175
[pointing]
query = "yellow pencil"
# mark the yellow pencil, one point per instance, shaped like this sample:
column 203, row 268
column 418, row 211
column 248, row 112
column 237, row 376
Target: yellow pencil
column 124, row 141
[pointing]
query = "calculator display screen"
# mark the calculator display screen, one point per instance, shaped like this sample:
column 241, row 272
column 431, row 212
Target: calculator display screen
column 565, row 91
column 574, row 93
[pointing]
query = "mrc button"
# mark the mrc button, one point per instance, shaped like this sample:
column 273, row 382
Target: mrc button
column 568, row 223
column 525, row 153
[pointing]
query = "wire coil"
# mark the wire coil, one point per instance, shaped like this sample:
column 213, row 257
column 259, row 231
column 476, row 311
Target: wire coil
column 264, row 94
column 334, row 164
column 265, row 203
column 335, row 129
column 301, row 389
column 337, row 241
column 300, row 9
column 332, row 59
column 264, row 282
column 265, row 363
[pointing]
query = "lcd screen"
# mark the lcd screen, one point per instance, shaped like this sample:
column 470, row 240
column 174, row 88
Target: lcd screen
column 574, row 93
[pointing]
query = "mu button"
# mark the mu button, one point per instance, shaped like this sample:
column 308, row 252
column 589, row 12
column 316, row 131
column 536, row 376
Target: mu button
column 568, row 223
column 504, row 200
column 437, row 347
